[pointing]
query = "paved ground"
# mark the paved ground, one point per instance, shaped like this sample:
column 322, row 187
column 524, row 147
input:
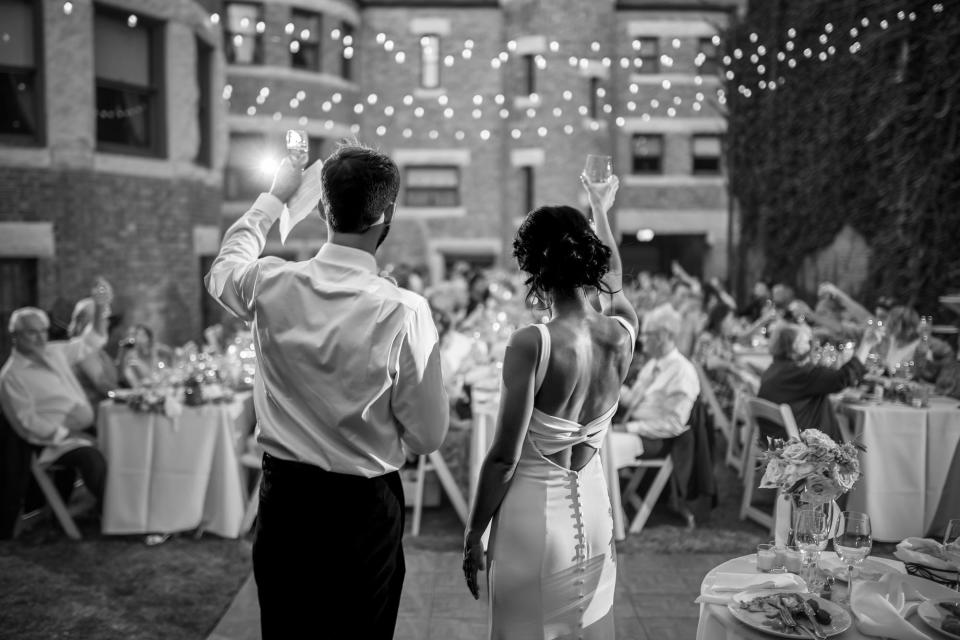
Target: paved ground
column 654, row 599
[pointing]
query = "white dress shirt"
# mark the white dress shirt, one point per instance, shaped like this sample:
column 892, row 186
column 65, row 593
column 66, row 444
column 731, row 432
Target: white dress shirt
column 662, row 397
column 348, row 364
column 43, row 400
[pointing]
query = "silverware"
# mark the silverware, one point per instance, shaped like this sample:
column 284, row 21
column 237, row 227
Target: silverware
column 790, row 621
column 812, row 616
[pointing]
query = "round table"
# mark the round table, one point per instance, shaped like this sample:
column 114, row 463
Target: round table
column 717, row 623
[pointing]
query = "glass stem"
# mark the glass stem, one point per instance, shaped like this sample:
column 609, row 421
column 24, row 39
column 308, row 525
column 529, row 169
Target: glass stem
column 850, row 583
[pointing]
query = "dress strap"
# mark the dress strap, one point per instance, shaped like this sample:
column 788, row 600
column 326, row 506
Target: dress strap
column 544, row 355
column 630, row 331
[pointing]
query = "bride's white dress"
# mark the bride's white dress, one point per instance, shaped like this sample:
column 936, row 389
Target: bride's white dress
column 552, row 558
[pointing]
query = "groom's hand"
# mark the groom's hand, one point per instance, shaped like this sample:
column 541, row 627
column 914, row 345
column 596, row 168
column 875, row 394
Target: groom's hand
column 286, row 180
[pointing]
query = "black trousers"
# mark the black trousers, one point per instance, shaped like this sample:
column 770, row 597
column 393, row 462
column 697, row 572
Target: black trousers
column 327, row 553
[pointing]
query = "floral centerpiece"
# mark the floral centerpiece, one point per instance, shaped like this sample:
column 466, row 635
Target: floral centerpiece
column 813, row 469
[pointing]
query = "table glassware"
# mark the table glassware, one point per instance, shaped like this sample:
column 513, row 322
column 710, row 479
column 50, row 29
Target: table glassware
column 811, row 530
column 852, row 543
column 598, row 168
column 767, row 558
column 951, row 537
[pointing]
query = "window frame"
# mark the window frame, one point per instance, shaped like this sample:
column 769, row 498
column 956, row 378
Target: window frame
column 650, row 64
column 155, row 88
column 693, row 155
column 245, row 173
column 258, row 49
column 38, row 137
column 634, row 157
column 315, row 43
column 528, row 177
column 530, row 73
column 407, row 190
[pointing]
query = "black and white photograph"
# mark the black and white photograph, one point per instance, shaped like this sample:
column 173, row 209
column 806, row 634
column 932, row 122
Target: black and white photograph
column 479, row 319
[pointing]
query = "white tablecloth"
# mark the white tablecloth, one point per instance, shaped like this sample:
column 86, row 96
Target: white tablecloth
column 717, row 623
column 166, row 475
column 911, row 467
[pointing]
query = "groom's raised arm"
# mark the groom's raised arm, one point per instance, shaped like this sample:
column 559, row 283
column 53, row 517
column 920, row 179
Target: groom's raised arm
column 233, row 277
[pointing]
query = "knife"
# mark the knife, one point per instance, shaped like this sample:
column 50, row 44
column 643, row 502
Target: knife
column 812, row 616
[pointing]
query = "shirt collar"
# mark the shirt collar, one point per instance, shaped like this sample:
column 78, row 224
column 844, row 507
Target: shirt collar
column 348, row 257
column 668, row 356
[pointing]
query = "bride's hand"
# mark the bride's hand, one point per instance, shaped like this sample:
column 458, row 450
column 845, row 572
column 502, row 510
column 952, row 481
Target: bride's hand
column 473, row 563
column 601, row 194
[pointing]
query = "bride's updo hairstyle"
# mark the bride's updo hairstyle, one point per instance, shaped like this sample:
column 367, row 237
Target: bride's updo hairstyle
column 559, row 250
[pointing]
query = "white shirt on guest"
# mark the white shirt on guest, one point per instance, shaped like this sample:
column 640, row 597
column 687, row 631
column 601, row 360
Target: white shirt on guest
column 348, row 364
column 662, row 397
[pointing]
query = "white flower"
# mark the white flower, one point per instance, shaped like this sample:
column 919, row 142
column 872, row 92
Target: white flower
column 817, row 437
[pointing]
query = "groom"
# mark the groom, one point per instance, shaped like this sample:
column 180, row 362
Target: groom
column 348, row 375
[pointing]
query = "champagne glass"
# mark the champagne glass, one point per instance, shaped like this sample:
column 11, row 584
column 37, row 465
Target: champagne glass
column 852, row 543
column 951, row 537
column 811, row 529
column 598, row 169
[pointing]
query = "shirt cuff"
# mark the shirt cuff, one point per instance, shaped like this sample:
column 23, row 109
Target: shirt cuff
column 270, row 205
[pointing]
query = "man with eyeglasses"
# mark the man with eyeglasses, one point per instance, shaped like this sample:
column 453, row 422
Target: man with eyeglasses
column 660, row 401
column 44, row 402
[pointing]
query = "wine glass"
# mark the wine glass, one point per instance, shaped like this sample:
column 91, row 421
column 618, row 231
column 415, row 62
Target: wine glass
column 811, row 529
column 598, row 169
column 852, row 543
column 951, row 537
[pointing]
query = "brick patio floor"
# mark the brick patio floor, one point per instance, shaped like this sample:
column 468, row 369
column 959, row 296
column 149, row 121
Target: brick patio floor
column 654, row 599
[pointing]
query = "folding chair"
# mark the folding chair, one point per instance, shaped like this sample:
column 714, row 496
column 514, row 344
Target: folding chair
column 780, row 415
column 435, row 462
column 40, row 473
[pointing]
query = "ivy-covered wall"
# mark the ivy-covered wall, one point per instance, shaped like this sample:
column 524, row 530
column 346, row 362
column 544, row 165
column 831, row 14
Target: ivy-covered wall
column 847, row 113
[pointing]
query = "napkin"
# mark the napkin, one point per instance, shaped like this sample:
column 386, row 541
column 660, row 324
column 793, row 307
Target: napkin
column 725, row 584
column 881, row 608
column 929, row 553
column 303, row 201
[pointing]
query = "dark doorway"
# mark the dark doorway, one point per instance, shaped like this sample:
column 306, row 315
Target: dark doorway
column 18, row 288
column 655, row 255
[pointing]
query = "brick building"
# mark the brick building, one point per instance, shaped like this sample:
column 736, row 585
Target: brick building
column 488, row 106
column 111, row 156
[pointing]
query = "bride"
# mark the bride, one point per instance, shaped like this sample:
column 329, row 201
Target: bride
column 551, row 561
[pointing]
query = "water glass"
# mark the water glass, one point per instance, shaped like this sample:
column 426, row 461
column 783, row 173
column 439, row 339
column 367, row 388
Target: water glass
column 598, row 168
column 852, row 543
column 811, row 529
column 767, row 558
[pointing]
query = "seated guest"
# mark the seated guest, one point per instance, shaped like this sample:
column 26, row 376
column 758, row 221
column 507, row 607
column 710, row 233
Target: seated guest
column 904, row 352
column 794, row 380
column 42, row 398
column 97, row 372
column 714, row 352
column 140, row 356
column 660, row 401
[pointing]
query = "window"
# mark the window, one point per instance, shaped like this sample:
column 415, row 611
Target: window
column 243, row 33
column 19, row 77
column 204, row 103
column 646, row 55
column 18, row 288
column 346, row 64
column 432, row 186
column 707, row 58
column 305, row 40
column 530, row 74
column 647, row 153
column 316, row 149
column 528, row 188
column 706, row 154
column 250, row 164
column 429, row 61
column 594, row 108
column 127, row 59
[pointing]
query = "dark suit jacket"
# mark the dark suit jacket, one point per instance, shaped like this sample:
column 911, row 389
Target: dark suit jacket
column 805, row 389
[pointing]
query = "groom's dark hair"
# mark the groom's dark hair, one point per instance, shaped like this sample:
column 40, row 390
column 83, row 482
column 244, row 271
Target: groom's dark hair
column 358, row 184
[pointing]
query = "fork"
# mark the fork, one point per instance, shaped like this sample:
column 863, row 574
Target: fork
column 791, row 622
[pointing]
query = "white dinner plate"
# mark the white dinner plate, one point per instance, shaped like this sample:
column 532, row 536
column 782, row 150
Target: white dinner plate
column 840, row 619
column 933, row 615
